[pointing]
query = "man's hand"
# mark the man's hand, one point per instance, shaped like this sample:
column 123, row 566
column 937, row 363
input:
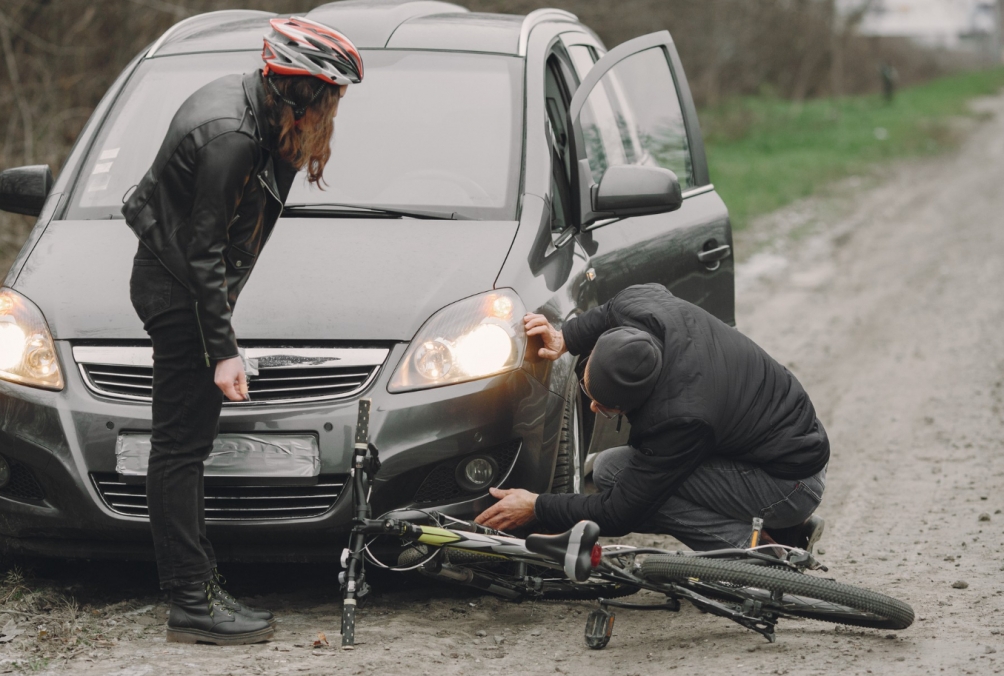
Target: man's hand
column 554, row 341
column 514, row 508
column 231, row 379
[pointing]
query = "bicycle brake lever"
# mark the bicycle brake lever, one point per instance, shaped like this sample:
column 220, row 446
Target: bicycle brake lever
column 802, row 559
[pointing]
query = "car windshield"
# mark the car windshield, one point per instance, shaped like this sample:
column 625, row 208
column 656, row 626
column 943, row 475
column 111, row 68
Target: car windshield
column 428, row 131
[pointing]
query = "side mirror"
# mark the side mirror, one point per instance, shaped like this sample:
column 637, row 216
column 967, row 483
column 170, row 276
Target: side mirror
column 23, row 189
column 633, row 190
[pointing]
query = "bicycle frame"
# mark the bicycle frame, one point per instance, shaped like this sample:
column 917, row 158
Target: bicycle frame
column 488, row 542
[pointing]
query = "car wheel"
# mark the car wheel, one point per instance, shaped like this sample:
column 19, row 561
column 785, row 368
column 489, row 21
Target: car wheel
column 568, row 476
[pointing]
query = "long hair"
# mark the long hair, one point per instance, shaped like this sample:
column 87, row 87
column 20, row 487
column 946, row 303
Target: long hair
column 304, row 143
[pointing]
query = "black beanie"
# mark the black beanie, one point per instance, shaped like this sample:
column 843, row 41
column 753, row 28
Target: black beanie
column 624, row 368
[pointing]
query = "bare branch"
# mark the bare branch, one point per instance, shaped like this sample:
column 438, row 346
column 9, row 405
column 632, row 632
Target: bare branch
column 35, row 41
column 162, row 6
column 22, row 104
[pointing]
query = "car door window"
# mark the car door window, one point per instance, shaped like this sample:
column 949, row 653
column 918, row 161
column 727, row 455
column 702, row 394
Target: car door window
column 633, row 116
column 557, row 97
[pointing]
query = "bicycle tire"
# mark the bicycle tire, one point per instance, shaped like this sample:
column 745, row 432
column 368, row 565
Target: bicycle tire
column 847, row 604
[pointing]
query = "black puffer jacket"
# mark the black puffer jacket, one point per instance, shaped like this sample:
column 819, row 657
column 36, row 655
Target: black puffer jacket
column 719, row 394
column 208, row 204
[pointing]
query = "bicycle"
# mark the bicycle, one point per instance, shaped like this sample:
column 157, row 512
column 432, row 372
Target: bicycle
column 754, row 587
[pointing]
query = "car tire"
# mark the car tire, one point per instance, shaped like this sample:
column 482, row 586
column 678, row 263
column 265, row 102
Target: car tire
column 568, row 465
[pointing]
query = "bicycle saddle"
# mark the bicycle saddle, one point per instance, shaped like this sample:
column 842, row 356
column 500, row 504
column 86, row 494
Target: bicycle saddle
column 573, row 548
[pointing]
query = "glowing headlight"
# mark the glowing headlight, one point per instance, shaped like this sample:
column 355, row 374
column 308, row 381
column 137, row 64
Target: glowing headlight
column 474, row 338
column 27, row 353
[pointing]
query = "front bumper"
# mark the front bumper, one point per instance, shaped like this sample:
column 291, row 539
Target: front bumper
column 64, row 438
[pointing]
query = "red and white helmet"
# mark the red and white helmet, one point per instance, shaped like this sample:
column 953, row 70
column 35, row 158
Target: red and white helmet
column 299, row 46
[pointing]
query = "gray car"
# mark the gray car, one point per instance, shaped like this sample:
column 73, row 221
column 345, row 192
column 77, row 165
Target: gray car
column 489, row 165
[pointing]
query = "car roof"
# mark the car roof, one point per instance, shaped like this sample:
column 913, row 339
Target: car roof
column 373, row 24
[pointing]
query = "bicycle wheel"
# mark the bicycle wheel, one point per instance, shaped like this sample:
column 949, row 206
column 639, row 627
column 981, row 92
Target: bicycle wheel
column 801, row 595
column 565, row 590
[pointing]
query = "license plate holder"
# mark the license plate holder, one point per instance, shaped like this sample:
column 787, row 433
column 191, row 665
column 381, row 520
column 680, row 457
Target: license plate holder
column 235, row 458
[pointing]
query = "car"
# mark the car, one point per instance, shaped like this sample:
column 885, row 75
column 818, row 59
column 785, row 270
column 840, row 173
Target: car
column 489, row 165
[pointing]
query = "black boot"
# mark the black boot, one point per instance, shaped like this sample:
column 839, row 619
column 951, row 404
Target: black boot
column 216, row 584
column 804, row 536
column 197, row 616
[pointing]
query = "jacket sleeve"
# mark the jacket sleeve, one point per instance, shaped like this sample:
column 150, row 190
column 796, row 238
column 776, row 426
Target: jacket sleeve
column 640, row 488
column 634, row 306
column 222, row 168
column 582, row 332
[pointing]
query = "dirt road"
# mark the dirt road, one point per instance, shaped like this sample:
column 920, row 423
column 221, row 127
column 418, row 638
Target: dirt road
column 888, row 304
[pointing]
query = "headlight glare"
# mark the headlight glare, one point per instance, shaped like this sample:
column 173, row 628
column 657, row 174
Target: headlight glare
column 12, row 344
column 27, row 353
column 473, row 338
column 484, row 350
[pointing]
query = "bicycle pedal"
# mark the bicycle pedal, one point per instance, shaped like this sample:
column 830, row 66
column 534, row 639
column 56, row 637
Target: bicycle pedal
column 599, row 628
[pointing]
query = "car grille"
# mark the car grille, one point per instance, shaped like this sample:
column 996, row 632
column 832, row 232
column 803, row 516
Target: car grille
column 22, row 484
column 441, row 484
column 284, row 374
column 232, row 502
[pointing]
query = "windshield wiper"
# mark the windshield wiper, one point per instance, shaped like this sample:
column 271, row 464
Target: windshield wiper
column 333, row 209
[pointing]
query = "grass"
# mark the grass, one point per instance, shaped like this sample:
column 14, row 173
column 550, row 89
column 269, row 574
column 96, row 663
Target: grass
column 765, row 152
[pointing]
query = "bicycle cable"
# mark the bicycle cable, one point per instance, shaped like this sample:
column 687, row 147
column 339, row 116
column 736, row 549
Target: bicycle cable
column 397, row 569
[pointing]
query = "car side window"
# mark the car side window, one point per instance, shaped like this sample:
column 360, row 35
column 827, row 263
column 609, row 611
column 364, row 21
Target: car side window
column 633, row 116
column 557, row 97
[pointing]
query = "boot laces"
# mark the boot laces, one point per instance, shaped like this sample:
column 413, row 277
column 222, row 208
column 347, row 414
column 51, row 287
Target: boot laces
column 214, row 602
column 217, row 583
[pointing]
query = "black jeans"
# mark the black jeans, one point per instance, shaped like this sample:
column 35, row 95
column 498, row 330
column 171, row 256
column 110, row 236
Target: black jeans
column 186, row 415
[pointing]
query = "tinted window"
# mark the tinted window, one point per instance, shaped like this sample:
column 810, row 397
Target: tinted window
column 430, row 130
column 633, row 116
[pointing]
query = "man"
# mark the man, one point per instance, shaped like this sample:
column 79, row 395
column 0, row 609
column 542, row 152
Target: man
column 203, row 213
column 720, row 432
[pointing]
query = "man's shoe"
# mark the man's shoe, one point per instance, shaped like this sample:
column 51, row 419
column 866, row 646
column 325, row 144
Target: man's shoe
column 216, row 583
column 804, row 536
column 198, row 617
column 812, row 530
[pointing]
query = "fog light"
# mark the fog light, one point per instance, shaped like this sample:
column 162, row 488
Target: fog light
column 477, row 473
column 4, row 472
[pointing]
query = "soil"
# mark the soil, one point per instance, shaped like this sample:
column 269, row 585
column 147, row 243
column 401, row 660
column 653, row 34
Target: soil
column 885, row 299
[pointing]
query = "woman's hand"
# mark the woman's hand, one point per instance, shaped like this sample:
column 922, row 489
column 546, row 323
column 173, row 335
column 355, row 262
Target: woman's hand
column 231, row 379
column 554, row 341
column 514, row 509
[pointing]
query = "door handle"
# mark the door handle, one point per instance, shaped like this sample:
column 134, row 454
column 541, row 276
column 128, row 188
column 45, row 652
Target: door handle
column 713, row 257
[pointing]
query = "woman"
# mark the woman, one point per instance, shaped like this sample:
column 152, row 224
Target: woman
column 203, row 213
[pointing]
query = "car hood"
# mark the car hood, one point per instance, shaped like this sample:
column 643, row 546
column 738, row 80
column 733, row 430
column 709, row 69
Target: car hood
column 318, row 279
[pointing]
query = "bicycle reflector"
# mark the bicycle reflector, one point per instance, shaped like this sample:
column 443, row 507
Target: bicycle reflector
column 596, row 556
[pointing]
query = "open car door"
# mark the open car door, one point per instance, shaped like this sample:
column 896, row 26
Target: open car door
column 631, row 117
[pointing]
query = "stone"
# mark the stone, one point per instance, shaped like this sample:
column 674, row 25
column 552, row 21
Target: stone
column 960, row 584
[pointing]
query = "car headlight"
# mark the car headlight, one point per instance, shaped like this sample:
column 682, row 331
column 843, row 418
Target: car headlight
column 27, row 353
column 474, row 338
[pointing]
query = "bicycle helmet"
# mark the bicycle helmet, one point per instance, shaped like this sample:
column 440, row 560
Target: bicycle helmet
column 299, row 46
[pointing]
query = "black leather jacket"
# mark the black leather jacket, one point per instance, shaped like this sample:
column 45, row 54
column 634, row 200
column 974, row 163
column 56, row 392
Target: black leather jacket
column 208, row 204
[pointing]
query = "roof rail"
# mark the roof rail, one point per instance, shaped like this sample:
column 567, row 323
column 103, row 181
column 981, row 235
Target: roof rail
column 537, row 17
column 199, row 20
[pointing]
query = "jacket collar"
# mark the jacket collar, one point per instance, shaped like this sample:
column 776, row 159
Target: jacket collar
column 254, row 91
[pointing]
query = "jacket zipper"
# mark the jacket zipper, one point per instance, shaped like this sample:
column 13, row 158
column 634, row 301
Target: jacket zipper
column 274, row 196
column 205, row 350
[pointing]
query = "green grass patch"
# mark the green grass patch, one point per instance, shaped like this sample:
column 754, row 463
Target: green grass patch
column 766, row 152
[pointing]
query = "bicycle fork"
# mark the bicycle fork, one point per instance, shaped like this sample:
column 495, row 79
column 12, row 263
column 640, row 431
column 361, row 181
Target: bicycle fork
column 365, row 464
